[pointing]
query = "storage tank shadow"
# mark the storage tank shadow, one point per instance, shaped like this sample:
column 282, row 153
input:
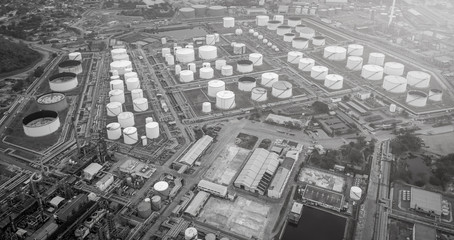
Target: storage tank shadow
column 42, row 123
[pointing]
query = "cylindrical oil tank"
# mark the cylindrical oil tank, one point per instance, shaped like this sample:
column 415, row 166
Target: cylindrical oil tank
column 294, row 21
column 131, row 75
column 269, row 78
column 416, row 98
column 185, row 55
column 148, row 120
column 256, row 59
column 117, row 84
column 113, row 73
column 63, row 82
column 162, row 188
column 132, row 83
column 334, row 81
column 246, row 83
column 165, row 51
column 121, row 66
column 335, row 53
column 136, row 93
column 192, row 67
column 210, row 236
column 206, row 73
column 75, row 56
column 156, row 203
column 113, row 131
column 259, row 94
column 282, row 89
column 175, row 49
column 218, row 64
column 216, row 11
column 392, row 107
column 200, row 10
column 294, row 57
column 394, row 68
column 376, row 58
column 228, row 22
column 288, row 37
column 73, row 66
column 355, row 193
column 210, row 39
column 206, row 65
column 121, row 57
column 118, row 51
column 418, row 79
column 117, row 95
column 307, row 32
column 144, row 140
column 144, row 209
column 239, row 48
column 215, row 86
column 273, row 24
column 140, row 104
column 238, row 31
column 208, row 52
column 186, row 76
column 244, row 66
column 318, row 41
column 300, row 43
column 187, row 12
column 190, row 233
column 435, row 95
column 170, row 59
column 306, row 64
column 126, row 119
column 355, row 50
column 354, row 63
column 206, row 107
column 395, row 84
column 52, row 101
column 372, row 72
column 279, row 18
column 299, row 27
column 41, row 123
column 265, row 41
column 283, row 29
column 177, row 69
column 225, row 100
column 114, row 78
column 152, row 130
column 262, row 20
column 227, row 70
column 319, row 72
column 113, row 109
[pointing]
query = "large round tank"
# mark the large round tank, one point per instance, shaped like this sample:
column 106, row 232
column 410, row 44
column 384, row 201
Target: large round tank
column 307, row 32
column 394, row 68
column 227, row 70
column 140, row 104
column 208, row 52
column 215, row 86
column 113, row 109
column 269, row 78
column 246, row 83
column 318, row 41
column 122, row 57
column 261, row 20
column 335, row 53
column 319, row 72
column 190, row 233
column 113, row 131
column 117, row 84
column 239, row 48
column 75, row 56
column 395, row 84
column 418, row 79
column 41, row 123
column 136, row 93
column 372, row 72
column 334, row 81
column 256, row 59
column 185, row 55
column 152, row 130
column 73, row 66
column 121, row 66
column 354, row 63
column 283, row 29
column 228, row 22
column 162, row 188
column 244, row 66
column 156, row 203
column 132, row 83
column 306, row 64
column 206, row 73
column 435, row 95
column 52, row 101
column 225, row 100
column 300, row 43
column 187, row 12
column 294, row 21
column 288, row 37
column 126, row 119
column 210, row 236
column 206, row 107
column 210, row 39
column 259, row 94
column 355, row 50
column 282, row 89
column 216, row 11
column 117, row 95
column 273, row 24
column 376, row 59
column 200, row 10
column 165, row 51
column 186, row 76
column 416, row 98
column 355, row 193
column 218, row 64
column 144, row 209
column 299, row 27
column 294, row 57
column 130, row 75
column 63, row 82
column 279, row 18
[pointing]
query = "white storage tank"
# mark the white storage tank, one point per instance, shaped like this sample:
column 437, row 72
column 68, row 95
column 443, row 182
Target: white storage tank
column 215, row 86
column 210, row 39
column 282, row 89
column 306, row 64
column 392, row 107
column 355, row 50
column 206, row 65
column 269, row 78
column 217, row 37
column 218, row 64
column 395, row 84
column 376, row 59
column 185, row 55
column 52, row 101
column 418, row 79
column 246, row 83
column 435, row 95
column 265, row 41
column 124, row 57
column 244, row 66
column 148, row 120
column 318, row 41
column 372, row 72
column 229, row 22
column 225, row 100
column 113, row 131
column 117, row 95
column 165, row 51
column 41, row 123
column 75, row 56
column 294, row 21
column 227, row 70
column 163, row 40
column 256, row 59
column 262, row 20
column 239, row 31
column 170, row 59
column 279, row 18
column 354, row 63
column 300, row 43
column 416, row 98
column 152, row 130
column 299, row 27
column 113, row 73
column 190, row 233
column 208, row 52
column 144, row 140
column 162, row 188
column 187, row 12
column 394, row 68
column 355, row 193
column 126, row 119
column 131, row 75
column 334, row 81
column 62, row 82
column 113, row 109
column 259, row 94
column 121, row 66
column 273, row 24
column 319, row 72
column 216, row 11
column 116, row 84
column 307, row 32
column 335, row 53
column 177, row 69
column 206, row 107
column 186, row 76
column 192, row 67
column 294, row 57
column 140, row 104
column 288, row 37
column 73, row 66
column 239, row 48
column 136, row 93
column 206, row 73
column 156, row 203
column 200, row 10
column 130, row 135
column 283, row 29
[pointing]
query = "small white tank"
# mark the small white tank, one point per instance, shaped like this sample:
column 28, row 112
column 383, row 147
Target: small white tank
column 185, row 55
column 282, row 89
column 152, row 130
column 177, row 69
column 218, row 64
column 238, row 32
column 136, row 93
column 140, row 104
column 376, row 59
column 206, row 107
column 392, row 107
column 192, row 67
column 300, row 43
column 294, row 57
column 283, row 29
column 165, row 51
column 256, row 59
column 190, row 233
column 418, row 79
column 206, row 64
column 395, row 84
column 113, row 131
column 186, row 76
column 126, row 119
column 114, row 108
column 148, row 120
column 246, row 83
column 132, row 83
column 117, row 84
column 163, row 40
column 416, row 98
column 245, row 66
column 225, row 100
column 130, row 75
column 144, row 140
column 355, row 50
column 394, row 68
column 227, row 70
column 208, row 52
column 239, row 48
column 262, row 20
column 435, row 95
column 170, row 59
column 354, row 63
column 206, row 73
column 130, row 135
column 334, row 81
column 229, row 22
column 319, row 72
column 306, row 64
column 318, row 41
column 259, row 94
column 117, row 95
column 75, row 56
column 288, row 37
column 269, row 78
column 335, row 53
column 372, row 72
column 215, row 86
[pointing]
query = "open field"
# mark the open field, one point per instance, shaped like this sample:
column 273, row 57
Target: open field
column 322, row 179
column 227, row 164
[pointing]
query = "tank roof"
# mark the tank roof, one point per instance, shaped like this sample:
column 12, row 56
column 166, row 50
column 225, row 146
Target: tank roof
column 69, row 63
column 247, row 79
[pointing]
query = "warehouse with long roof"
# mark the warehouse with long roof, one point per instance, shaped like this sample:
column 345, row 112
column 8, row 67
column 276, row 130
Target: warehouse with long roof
column 425, row 201
column 196, row 150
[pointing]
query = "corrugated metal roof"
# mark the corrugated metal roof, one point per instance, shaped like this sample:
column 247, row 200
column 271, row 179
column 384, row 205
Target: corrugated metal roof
column 197, row 203
column 222, row 190
column 194, row 153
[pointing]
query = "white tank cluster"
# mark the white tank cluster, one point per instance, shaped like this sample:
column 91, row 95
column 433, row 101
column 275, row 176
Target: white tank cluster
column 41, row 123
column 130, row 135
column 435, row 95
column 247, row 83
column 300, row 43
column 273, row 24
column 334, row 81
column 256, row 59
column 72, row 66
column 185, row 55
column 335, row 53
column 152, row 130
column 418, row 79
column 293, row 21
column 306, row 64
column 283, row 29
column 245, row 66
column 215, row 86
column 395, row 84
column 63, row 82
column 259, row 94
column 225, row 100
column 228, row 22
column 294, row 57
column 318, row 41
column 288, row 37
column 121, row 66
column 394, row 68
column 114, row 108
column 262, row 20
column 75, row 56
column 126, row 119
column 140, row 104
column 372, row 72
column 355, row 50
column 319, row 72
column 117, row 95
column 416, row 98
column 307, row 32
column 206, row 73
column 269, row 78
column 206, row 107
column 376, row 59
column 282, row 89
column 208, row 52
column 136, row 93
column 186, row 76
column 354, row 63
column 113, row 131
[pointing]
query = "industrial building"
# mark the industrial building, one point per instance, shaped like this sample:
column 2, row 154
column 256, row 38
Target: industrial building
column 71, row 207
column 196, row 150
column 90, row 171
column 105, row 182
column 280, row 179
column 425, row 201
column 197, row 203
column 332, row 125
column 213, row 188
column 140, row 169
